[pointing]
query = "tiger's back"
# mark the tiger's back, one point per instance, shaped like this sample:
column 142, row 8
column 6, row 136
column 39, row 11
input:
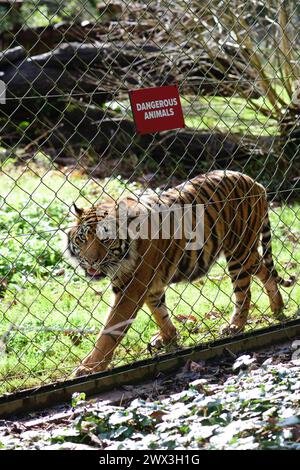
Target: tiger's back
column 234, row 209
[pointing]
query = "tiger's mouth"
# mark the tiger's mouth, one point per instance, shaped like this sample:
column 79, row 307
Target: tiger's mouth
column 94, row 274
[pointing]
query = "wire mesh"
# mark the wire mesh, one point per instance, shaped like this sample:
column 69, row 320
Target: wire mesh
column 68, row 135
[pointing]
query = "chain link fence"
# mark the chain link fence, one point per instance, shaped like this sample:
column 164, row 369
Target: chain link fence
column 68, row 135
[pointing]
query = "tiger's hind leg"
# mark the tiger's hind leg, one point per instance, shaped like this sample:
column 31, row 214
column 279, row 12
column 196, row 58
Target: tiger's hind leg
column 240, row 273
column 167, row 335
column 271, row 288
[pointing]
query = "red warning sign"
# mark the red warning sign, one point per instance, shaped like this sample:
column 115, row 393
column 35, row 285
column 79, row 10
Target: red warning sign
column 156, row 109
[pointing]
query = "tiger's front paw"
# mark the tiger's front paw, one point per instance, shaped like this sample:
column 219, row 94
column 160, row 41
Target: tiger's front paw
column 158, row 342
column 231, row 329
column 90, row 365
column 81, row 371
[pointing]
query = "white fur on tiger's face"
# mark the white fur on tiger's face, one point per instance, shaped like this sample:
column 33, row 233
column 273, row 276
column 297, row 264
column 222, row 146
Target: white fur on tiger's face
column 91, row 242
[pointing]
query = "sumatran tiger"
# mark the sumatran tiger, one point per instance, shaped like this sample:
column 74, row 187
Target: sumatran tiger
column 235, row 222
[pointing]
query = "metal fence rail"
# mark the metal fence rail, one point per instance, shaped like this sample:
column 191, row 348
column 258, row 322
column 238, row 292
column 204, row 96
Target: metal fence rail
column 68, row 135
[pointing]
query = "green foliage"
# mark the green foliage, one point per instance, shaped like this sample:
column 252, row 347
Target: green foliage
column 78, row 399
column 258, row 412
column 35, row 13
column 78, row 10
column 231, row 115
column 255, row 409
column 28, row 234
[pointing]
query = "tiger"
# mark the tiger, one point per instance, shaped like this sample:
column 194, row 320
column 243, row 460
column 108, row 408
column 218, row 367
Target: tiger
column 235, row 225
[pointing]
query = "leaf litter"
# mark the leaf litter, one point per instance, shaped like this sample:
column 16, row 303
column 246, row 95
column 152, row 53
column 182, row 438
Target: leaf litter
column 248, row 401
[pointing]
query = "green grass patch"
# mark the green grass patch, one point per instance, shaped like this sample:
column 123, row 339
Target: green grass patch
column 228, row 115
column 43, row 299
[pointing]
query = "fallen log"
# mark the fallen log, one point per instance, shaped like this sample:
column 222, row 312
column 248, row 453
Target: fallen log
column 98, row 72
column 103, row 142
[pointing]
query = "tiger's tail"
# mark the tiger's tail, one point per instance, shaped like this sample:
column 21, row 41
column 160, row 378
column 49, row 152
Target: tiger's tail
column 268, row 257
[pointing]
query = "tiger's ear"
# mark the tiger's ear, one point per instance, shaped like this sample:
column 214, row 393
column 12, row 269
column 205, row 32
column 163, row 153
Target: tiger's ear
column 78, row 212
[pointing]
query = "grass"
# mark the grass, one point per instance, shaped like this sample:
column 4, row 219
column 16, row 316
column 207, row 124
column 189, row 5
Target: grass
column 42, row 297
column 227, row 115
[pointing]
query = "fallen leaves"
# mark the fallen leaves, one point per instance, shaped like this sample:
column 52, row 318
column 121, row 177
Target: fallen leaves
column 257, row 407
column 243, row 362
column 193, row 366
column 186, row 318
column 213, row 314
column 3, row 286
column 59, row 272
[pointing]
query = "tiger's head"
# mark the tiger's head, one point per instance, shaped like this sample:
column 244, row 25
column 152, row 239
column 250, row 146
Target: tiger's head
column 95, row 240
